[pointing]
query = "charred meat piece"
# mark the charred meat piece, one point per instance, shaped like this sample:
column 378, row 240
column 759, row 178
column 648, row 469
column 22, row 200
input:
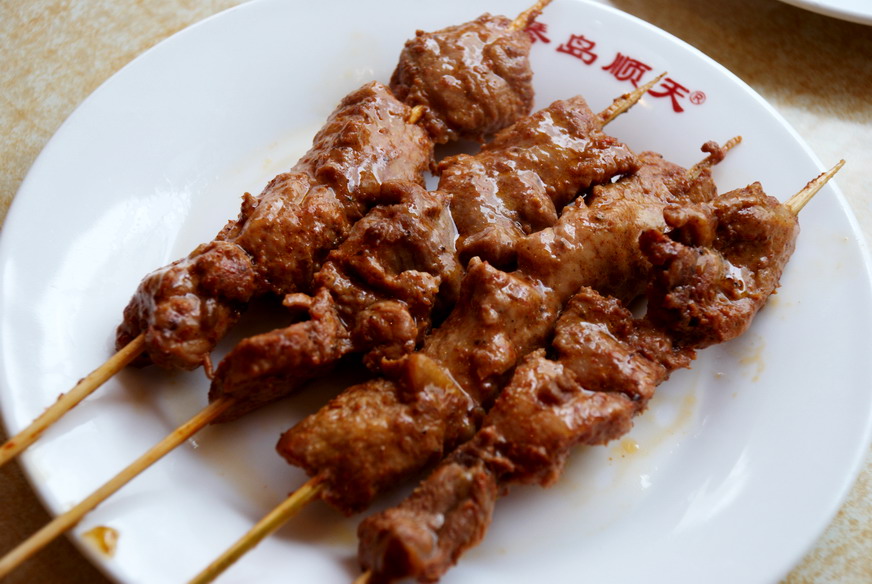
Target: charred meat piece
column 376, row 294
column 519, row 183
column 474, row 78
column 500, row 318
column 385, row 426
column 281, row 237
column 720, row 264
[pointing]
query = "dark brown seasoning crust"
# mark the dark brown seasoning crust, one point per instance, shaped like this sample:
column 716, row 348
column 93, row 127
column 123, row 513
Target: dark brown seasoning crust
column 282, row 236
column 607, row 366
column 390, row 428
column 712, row 271
column 519, row 183
column 379, row 281
column 376, row 294
column 474, row 78
column 723, row 261
column 499, row 318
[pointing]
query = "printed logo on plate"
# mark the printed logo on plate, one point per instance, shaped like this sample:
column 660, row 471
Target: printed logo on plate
column 622, row 67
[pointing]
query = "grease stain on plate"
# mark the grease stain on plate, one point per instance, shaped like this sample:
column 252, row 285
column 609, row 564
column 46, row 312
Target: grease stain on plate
column 103, row 539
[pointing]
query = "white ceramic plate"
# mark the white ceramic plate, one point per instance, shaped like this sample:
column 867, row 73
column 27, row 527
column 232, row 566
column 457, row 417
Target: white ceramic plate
column 859, row 11
column 738, row 466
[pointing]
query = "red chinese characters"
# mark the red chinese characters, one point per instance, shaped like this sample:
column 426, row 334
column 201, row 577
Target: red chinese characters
column 623, row 67
column 580, row 48
column 537, row 31
column 673, row 89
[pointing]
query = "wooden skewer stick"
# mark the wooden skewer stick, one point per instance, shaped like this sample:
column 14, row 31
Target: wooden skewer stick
column 800, row 199
column 270, row 523
column 363, row 578
column 626, row 101
column 71, row 518
column 416, row 114
column 67, row 401
column 88, row 385
column 712, row 159
column 524, row 19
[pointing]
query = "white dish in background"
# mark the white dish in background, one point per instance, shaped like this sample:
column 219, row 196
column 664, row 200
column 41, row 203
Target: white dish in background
column 730, row 476
column 859, row 11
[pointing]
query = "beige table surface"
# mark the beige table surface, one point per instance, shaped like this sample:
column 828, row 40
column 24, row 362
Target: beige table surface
column 817, row 71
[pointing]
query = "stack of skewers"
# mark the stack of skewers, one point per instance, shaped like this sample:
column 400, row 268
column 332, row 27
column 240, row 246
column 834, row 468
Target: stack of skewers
column 576, row 228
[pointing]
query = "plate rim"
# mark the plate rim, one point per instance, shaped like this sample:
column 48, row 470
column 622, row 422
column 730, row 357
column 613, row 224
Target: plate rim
column 856, row 232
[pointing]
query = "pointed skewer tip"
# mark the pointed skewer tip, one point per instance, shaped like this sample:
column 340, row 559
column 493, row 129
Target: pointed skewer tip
column 716, row 154
column 732, row 143
column 801, row 199
column 524, row 19
column 627, row 100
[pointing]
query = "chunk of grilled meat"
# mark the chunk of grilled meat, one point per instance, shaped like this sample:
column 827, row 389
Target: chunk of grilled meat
column 595, row 242
column 376, row 294
column 722, row 262
column 474, row 78
column 519, row 183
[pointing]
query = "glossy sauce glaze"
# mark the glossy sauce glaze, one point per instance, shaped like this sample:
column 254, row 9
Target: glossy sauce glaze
column 519, row 183
column 282, row 236
column 474, row 78
column 499, row 318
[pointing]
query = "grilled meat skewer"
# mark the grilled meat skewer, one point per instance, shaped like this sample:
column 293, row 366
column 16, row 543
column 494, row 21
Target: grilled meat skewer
column 377, row 433
column 378, row 289
column 282, row 237
column 712, row 273
column 377, row 293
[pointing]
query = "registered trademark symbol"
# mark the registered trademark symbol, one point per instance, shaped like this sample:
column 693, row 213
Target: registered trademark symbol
column 697, row 98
